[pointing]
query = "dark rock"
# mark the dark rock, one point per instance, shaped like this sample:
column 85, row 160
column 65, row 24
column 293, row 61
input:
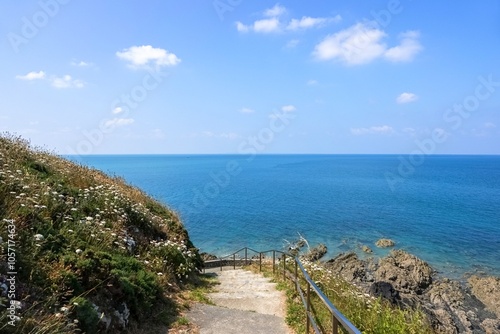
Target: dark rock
column 348, row 266
column 386, row 291
column 207, row 256
column 295, row 247
column 316, row 253
column 405, row 272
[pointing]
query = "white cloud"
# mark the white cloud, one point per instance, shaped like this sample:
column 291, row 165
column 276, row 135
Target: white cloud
column 66, row 82
column 292, row 43
column 356, row 45
column 32, row 76
column 312, row 82
column 307, row 22
column 267, row 25
column 246, row 110
column 408, row 48
column 362, row 43
column 489, row 125
column 384, row 130
column 288, row 108
column 241, row 27
column 410, row 131
column 406, row 98
column 146, row 56
column 277, row 10
column 81, row 63
column 223, row 135
column 118, row 122
column 272, row 22
column 117, row 110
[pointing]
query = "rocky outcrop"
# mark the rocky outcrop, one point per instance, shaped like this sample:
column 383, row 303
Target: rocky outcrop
column 487, row 290
column 491, row 326
column 386, row 291
column 207, row 256
column 405, row 272
column 350, row 267
column 384, row 243
column 316, row 253
column 407, row 281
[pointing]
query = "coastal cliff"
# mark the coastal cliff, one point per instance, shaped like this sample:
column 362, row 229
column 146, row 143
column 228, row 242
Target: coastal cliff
column 84, row 252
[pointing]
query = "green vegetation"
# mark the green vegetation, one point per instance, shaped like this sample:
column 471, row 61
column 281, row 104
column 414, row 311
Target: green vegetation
column 198, row 290
column 370, row 315
column 90, row 252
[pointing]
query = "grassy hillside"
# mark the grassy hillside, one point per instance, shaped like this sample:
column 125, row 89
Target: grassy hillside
column 83, row 252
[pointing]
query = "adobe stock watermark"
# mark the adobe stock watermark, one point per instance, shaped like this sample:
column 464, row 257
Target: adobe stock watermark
column 31, row 26
column 223, row 6
column 9, row 284
column 249, row 147
column 126, row 103
column 453, row 118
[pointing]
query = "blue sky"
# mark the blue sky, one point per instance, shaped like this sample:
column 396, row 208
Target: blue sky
column 240, row 76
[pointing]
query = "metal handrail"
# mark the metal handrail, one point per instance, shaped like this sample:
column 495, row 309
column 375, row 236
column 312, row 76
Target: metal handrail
column 337, row 317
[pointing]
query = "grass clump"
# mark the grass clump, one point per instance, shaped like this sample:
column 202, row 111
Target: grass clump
column 91, row 253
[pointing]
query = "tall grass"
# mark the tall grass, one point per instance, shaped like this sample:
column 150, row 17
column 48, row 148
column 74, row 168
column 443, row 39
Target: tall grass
column 92, row 253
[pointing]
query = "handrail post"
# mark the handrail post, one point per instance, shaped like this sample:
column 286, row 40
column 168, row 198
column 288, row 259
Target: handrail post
column 246, row 252
column 308, row 309
column 296, row 276
column 234, row 261
column 260, row 262
column 335, row 325
column 274, row 260
column 284, row 267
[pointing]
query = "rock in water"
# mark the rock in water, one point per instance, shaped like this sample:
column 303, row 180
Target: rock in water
column 384, row 243
column 316, row 253
column 366, row 249
column 405, row 272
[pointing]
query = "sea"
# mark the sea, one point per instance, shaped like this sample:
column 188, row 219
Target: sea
column 443, row 208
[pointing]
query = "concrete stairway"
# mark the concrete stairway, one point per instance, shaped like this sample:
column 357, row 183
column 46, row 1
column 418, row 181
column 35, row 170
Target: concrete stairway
column 245, row 303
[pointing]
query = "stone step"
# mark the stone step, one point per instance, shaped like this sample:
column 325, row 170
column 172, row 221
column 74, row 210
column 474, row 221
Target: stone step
column 245, row 302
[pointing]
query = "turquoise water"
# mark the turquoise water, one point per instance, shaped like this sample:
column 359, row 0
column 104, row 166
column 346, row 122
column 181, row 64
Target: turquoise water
column 446, row 210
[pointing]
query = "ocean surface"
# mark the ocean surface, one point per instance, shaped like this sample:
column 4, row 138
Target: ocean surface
column 444, row 209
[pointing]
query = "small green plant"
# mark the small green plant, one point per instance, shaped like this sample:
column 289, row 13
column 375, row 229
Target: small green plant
column 182, row 321
column 198, row 290
column 85, row 314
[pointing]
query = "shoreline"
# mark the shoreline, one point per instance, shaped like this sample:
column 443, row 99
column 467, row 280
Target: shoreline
column 442, row 269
